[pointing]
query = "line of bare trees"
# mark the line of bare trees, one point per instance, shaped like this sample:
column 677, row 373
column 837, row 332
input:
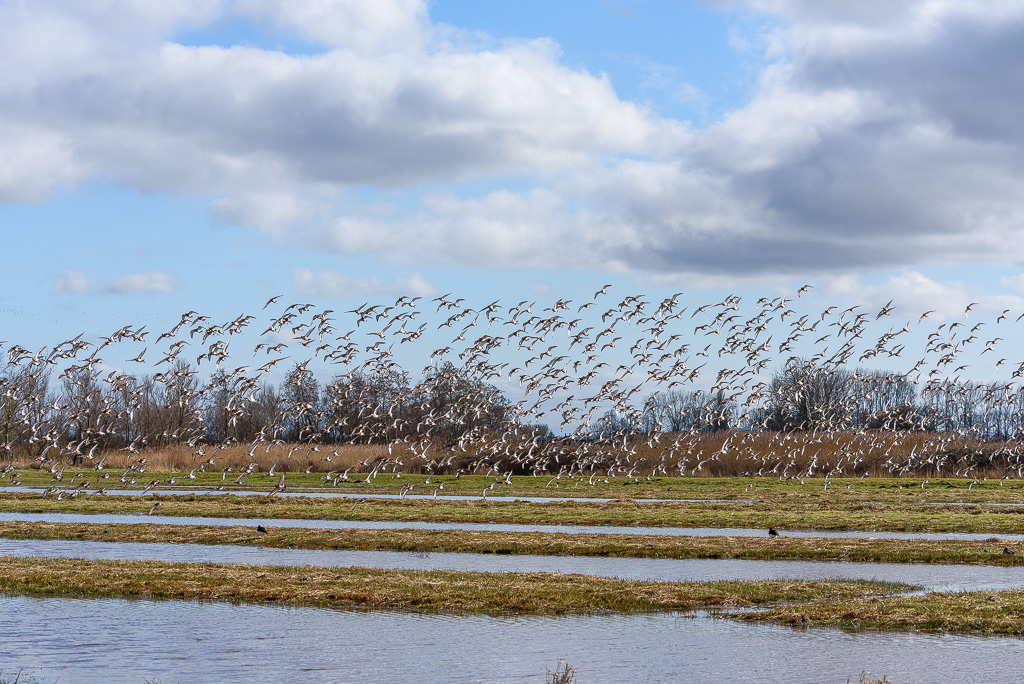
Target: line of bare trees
column 86, row 410
column 82, row 410
column 805, row 397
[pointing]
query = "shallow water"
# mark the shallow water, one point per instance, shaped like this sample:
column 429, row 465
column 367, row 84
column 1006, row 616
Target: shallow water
column 931, row 577
column 142, row 518
column 174, row 641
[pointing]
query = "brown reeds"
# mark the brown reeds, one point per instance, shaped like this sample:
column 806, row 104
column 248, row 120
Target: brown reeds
column 726, row 453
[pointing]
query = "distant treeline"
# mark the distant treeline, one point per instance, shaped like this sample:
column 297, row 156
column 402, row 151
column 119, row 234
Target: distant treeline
column 86, row 410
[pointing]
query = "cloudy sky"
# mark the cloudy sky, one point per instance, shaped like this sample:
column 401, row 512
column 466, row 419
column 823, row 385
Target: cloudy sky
column 196, row 154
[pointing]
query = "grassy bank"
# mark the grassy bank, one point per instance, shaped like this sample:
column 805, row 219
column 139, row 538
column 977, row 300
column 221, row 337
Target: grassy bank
column 989, row 552
column 793, row 514
column 512, row 593
column 971, row 612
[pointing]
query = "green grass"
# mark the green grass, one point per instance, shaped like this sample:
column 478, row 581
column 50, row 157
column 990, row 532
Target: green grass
column 444, row 591
column 538, row 543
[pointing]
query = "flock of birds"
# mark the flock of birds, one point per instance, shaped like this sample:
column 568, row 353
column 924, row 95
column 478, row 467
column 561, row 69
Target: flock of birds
column 615, row 377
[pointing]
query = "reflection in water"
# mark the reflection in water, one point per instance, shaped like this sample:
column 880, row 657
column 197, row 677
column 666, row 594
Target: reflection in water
column 87, row 641
column 932, row 577
column 141, row 518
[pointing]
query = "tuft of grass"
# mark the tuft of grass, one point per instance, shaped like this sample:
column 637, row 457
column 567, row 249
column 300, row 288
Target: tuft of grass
column 866, row 678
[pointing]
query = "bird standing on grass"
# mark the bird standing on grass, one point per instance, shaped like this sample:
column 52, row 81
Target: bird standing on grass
column 261, row 529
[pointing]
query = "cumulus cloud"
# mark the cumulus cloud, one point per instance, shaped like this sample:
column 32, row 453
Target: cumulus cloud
column 912, row 293
column 329, row 283
column 73, row 281
column 880, row 134
column 184, row 118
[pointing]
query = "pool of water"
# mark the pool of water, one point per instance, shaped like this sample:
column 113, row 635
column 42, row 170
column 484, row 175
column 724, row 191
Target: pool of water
column 142, row 518
column 931, row 577
column 84, row 641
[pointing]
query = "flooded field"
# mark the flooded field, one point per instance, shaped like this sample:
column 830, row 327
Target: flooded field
column 131, row 641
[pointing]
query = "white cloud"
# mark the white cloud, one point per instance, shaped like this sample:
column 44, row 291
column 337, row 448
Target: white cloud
column 272, row 212
column 73, row 281
column 144, row 282
column 379, row 25
column 881, row 135
column 34, row 160
column 913, row 293
column 328, row 283
column 1016, row 282
column 208, row 119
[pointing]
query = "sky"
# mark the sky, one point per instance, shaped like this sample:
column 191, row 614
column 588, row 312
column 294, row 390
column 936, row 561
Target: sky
column 199, row 154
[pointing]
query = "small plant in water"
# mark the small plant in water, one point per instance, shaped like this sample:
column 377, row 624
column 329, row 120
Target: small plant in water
column 866, row 678
column 22, row 677
column 564, row 673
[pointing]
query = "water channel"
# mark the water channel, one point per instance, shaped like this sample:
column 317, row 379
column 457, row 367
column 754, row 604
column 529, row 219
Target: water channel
column 298, row 523
column 116, row 641
column 931, row 577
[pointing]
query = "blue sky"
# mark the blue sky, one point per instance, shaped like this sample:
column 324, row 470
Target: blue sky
column 156, row 158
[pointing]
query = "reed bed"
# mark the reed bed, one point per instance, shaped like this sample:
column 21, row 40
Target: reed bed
column 727, row 453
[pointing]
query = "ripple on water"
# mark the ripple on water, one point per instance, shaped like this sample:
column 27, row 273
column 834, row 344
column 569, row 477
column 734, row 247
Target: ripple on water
column 131, row 641
column 932, row 577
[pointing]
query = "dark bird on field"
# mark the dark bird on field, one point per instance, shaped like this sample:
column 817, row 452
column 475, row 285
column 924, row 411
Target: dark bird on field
column 1008, row 551
column 772, row 532
column 261, row 529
